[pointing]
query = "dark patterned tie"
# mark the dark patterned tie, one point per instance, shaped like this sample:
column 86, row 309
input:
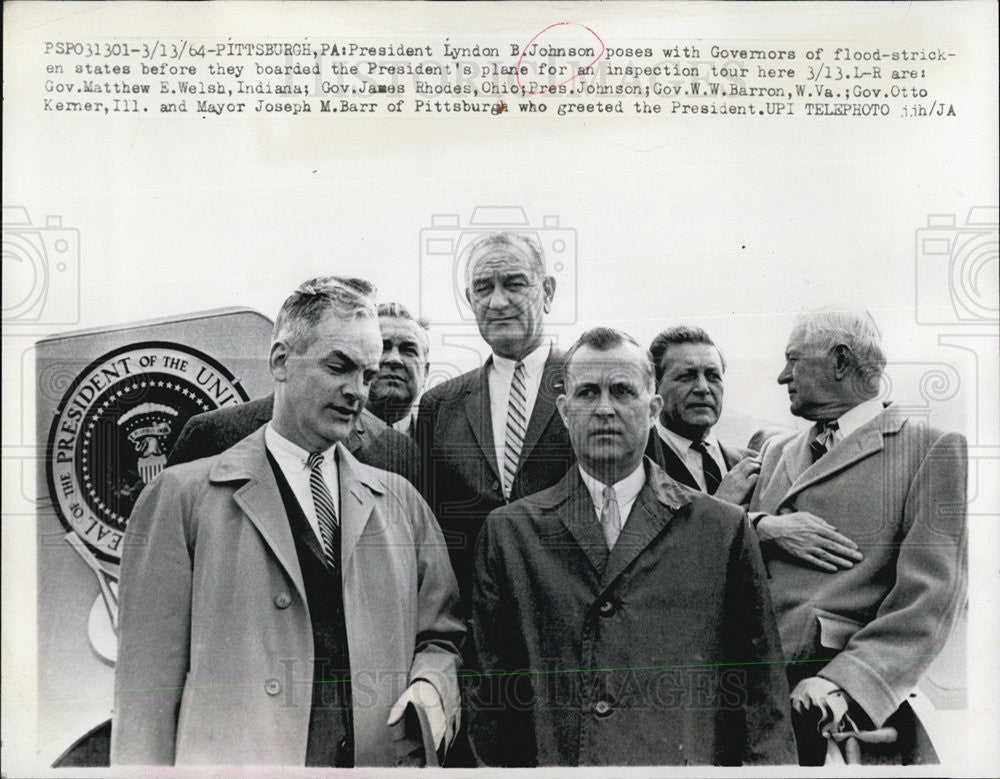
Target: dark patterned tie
column 517, row 424
column 823, row 441
column 709, row 467
column 326, row 512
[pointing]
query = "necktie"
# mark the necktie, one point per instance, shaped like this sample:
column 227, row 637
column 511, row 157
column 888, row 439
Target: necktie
column 611, row 517
column 326, row 513
column 709, row 467
column 517, row 423
column 823, row 441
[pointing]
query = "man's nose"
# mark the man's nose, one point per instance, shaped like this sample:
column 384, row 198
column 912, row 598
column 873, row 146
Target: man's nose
column 701, row 384
column 498, row 297
column 392, row 356
column 785, row 376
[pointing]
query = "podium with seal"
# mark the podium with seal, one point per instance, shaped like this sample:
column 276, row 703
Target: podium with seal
column 110, row 404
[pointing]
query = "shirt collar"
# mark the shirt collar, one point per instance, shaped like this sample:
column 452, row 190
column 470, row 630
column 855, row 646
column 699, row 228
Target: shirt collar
column 679, row 442
column 288, row 452
column 626, row 490
column 534, row 362
column 861, row 414
column 402, row 425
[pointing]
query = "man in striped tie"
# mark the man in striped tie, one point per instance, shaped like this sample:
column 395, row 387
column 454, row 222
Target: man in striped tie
column 493, row 435
column 281, row 602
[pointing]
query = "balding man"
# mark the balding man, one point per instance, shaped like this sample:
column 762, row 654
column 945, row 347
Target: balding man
column 493, row 435
column 402, row 370
column 863, row 527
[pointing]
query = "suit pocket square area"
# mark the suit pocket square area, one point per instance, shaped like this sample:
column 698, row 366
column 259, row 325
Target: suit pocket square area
column 836, row 630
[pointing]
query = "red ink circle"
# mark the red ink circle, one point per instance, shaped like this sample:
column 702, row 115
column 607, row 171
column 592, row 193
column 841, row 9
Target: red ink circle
column 517, row 70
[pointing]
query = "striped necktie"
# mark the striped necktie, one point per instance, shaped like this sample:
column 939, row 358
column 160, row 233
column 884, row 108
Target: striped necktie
column 824, row 440
column 326, row 512
column 517, row 424
column 709, row 467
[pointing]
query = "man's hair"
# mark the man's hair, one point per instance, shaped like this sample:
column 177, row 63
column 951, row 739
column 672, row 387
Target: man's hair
column 400, row 311
column 675, row 336
column 345, row 298
column 520, row 241
column 604, row 339
column 829, row 328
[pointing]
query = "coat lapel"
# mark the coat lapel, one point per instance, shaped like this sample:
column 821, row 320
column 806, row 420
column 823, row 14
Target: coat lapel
column 862, row 443
column 665, row 457
column 576, row 512
column 477, row 411
column 260, row 499
column 653, row 509
column 357, row 482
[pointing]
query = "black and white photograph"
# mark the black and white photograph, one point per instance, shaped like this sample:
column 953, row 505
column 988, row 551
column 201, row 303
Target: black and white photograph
column 496, row 385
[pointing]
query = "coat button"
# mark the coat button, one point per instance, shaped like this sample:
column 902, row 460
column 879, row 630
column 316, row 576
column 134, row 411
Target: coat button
column 607, row 608
column 272, row 686
column 602, row 708
column 495, row 484
column 282, row 600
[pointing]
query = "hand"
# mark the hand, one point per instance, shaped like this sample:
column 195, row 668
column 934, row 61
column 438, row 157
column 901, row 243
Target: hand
column 826, row 698
column 811, row 539
column 423, row 695
column 737, row 485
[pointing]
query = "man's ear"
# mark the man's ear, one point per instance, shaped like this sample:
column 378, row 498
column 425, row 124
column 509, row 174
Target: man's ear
column 468, row 296
column 277, row 361
column 549, row 288
column 843, row 361
column 561, row 408
column 655, row 407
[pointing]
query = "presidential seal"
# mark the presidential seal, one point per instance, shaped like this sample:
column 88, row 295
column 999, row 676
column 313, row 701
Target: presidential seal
column 114, row 428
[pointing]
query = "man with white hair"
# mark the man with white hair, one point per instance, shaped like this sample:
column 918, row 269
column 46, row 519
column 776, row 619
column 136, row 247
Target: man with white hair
column 862, row 523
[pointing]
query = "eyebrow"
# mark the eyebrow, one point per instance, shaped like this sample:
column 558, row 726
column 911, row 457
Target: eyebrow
column 336, row 354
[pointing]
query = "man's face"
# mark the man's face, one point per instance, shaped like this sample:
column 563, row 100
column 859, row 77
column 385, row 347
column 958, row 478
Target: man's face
column 608, row 409
column 509, row 299
column 809, row 376
column 403, row 368
column 691, row 389
column 322, row 390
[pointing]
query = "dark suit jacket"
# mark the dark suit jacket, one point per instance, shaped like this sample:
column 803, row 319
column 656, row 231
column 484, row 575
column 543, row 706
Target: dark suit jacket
column 372, row 442
column 660, row 453
column 461, row 480
column 663, row 651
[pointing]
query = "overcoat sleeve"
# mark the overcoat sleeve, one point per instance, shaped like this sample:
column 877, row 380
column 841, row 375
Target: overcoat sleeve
column 154, row 624
column 439, row 629
column 885, row 659
column 758, row 676
column 501, row 728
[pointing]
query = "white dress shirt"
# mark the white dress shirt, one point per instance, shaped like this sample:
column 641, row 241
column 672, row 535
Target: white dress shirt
column 692, row 457
column 294, row 463
column 626, row 491
column 404, row 425
column 500, row 375
column 851, row 420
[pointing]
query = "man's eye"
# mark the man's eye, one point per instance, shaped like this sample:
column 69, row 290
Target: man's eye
column 623, row 391
column 482, row 290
